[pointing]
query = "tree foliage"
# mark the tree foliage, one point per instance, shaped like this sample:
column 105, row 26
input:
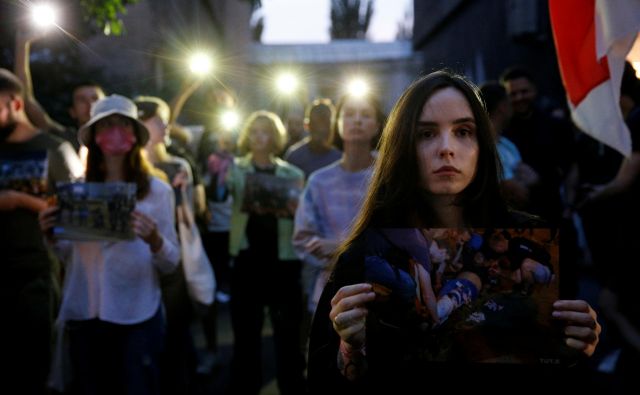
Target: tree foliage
column 106, row 14
column 350, row 18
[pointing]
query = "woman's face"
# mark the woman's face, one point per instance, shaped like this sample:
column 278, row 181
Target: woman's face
column 115, row 135
column 446, row 144
column 157, row 130
column 260, row 140
column 357, row 121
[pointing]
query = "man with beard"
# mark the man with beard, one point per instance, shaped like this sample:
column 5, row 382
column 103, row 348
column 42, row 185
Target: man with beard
column 30, row 164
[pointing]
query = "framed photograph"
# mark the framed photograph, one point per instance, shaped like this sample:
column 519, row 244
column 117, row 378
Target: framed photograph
column 469, row 295
column 95, row 210
column 269, row 194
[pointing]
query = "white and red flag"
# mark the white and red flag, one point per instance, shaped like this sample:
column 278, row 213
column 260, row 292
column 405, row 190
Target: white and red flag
column 592, row 39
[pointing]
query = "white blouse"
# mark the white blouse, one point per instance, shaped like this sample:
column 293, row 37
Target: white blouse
column 119, row 281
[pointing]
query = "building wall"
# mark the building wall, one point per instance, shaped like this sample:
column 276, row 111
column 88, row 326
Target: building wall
column 481, row 38
column 149, row 57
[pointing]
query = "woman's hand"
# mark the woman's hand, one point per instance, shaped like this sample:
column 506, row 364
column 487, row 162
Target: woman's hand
column 348, row 313
column 180, row 180
column 147, row 229
column 47, row 220
column 321, row 247
column 582, row 330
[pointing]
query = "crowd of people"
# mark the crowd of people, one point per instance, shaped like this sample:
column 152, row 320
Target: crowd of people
column 336, row 232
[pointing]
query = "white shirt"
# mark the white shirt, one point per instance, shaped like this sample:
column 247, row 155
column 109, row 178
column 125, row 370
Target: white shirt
column 119, row 281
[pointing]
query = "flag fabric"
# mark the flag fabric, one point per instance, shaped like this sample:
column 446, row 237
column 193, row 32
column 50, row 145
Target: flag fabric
column 592, row 39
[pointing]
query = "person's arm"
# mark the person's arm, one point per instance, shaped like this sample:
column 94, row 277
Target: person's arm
column 348, row 315
column 37, row 115
column 627, row 174
column 12, row 200
column 177, row 103
column 159, row 232
column 199, row 200
column 308, row 243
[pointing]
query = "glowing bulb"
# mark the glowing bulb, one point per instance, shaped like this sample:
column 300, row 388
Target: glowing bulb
column 287, row 83
column 43, row 15
column 229, row 119
column 200, row 63
column 358, row 87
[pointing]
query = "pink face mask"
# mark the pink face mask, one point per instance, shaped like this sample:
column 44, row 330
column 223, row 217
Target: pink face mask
column 115, row 140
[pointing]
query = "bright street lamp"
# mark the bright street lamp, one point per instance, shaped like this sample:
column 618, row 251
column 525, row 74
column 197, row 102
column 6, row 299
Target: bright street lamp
column 229, row 119
column 200, row 63
column 358, row 87
column 43, row 15
column 287, row 83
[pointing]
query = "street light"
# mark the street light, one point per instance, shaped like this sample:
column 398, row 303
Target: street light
column 358, row 87
column 287, row 83
column 229, row 119
column 43, row 15
column 200, row 63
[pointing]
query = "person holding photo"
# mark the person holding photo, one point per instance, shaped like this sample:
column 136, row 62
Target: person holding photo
column 266, row 272
column 437, row 167
column 111, row 302
column 333, row 194
column 31, row 162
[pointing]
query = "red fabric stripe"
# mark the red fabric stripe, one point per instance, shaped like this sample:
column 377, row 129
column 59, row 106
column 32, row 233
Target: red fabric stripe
column 574, row 33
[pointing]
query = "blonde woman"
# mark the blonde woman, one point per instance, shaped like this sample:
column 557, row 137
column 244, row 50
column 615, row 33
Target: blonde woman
column 266, row 272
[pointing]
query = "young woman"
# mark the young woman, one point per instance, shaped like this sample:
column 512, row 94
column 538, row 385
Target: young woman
column 266, row 272
column 437, row 167
column 111, row 301
column 334, row 194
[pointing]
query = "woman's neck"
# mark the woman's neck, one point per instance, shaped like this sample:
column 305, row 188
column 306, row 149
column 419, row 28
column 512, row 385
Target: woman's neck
column 114, row 168
column 447, row 213
column 319, row 146
column 356, row 157
column 262, row 159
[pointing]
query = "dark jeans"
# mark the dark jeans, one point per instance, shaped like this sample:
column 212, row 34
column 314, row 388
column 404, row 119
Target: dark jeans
column 216, row 244
column 111, row 359
column 26, row 334
column 178, row 358
column 257, row 283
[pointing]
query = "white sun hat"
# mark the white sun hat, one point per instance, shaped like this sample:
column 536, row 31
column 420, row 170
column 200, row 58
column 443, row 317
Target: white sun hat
column 113, row 104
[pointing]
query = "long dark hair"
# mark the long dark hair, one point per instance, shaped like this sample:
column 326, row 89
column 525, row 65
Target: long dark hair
column 136, row 168
column 395, row 198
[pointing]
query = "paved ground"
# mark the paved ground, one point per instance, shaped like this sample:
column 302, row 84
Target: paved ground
column 217, row 382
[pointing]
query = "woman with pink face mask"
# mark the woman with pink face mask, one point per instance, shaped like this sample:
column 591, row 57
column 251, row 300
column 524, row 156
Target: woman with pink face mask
column 111, row 302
